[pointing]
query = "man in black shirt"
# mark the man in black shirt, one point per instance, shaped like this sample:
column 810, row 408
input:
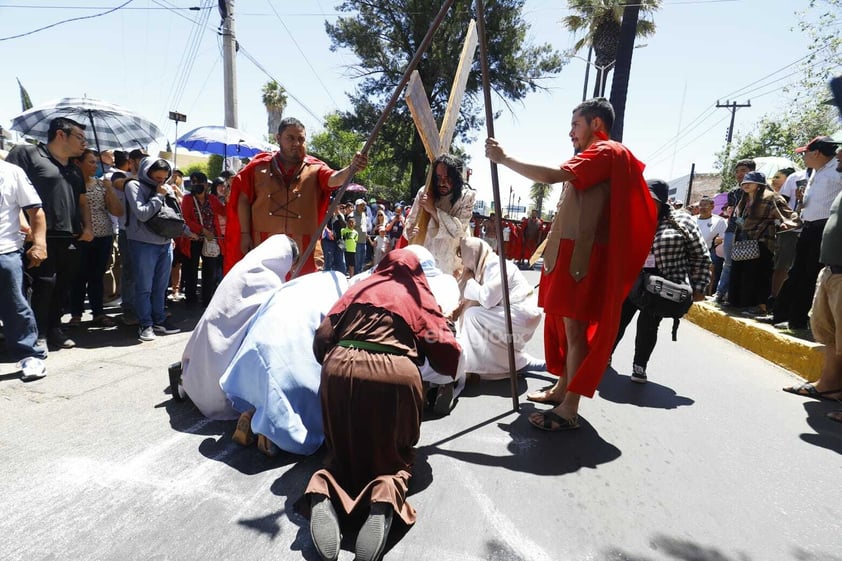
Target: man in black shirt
column 60, row 185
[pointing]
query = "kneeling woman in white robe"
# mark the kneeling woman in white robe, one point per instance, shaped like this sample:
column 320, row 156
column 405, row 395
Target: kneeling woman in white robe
column 275, row 372
column 482, row 325
column 222, row 327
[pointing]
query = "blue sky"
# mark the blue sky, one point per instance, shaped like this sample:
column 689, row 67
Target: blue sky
column 704, row 51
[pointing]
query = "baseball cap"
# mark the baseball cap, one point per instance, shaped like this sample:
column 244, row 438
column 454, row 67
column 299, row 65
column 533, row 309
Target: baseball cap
column 372, row 200
column 754, row 177
column 818, row 143
column 659, row 189
column 359, row 202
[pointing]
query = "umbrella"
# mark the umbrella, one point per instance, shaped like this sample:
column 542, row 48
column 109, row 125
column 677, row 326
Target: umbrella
column 111, row 126
column 770, row 165
column 356, row 188
column 223, row 141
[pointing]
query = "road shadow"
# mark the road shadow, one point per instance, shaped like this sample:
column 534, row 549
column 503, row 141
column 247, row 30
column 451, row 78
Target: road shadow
column 536, row 451
column 619, row 389
column 686, row 550
column 678, row 549
column 185, row 417
column 828, row 434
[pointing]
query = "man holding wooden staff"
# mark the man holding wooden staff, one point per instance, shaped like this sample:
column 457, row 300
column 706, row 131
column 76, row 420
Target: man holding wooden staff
column 596, row 247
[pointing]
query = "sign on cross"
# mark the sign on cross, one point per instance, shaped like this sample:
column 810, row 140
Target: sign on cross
column 437, row 142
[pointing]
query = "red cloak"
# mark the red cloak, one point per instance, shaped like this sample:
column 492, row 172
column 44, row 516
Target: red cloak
column 632, row 223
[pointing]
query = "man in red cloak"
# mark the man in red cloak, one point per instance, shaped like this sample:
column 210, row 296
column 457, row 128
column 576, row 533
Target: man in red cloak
column 287, row 192
column 596, row 247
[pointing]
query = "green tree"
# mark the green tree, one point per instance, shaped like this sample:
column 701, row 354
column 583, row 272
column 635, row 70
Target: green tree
column 775, row 136
column 538, row 193
column 215, row 165
column 804, row 115
column 275, row 99
column 336, row 145
column 599, row 23
column 384, row 35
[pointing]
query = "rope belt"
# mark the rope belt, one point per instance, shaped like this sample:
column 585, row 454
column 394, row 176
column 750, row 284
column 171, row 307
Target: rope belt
column 369, row 346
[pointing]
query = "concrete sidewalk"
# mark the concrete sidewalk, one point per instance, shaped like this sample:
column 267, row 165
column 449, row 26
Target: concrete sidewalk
column 792, row 351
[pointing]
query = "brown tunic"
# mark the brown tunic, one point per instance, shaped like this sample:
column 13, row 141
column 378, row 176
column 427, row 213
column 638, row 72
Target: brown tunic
column 372, row 405
column 286, row 208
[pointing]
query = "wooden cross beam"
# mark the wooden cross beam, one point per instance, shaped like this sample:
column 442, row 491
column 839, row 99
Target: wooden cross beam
column 437, row 141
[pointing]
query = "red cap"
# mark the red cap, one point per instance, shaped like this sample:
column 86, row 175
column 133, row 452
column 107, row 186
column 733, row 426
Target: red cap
column 816, row 141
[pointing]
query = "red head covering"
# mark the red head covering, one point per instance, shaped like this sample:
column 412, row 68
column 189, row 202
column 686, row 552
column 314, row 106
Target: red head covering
column 399, row 285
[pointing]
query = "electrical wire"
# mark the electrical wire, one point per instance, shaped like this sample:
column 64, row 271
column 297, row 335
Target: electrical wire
column 260, row 67
column 123, row 5
column 300, row 50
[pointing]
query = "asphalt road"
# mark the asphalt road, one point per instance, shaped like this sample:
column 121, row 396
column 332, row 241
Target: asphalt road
column 709, row 461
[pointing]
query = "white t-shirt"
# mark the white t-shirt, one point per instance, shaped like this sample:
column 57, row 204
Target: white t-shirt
column 711, row 227
column 789, row 187
column 16, row 192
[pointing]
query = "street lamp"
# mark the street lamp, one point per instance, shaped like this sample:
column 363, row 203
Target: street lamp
column 178, row 118
column 602, row 76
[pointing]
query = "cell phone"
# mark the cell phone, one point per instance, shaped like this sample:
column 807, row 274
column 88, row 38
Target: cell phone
column 800, row 184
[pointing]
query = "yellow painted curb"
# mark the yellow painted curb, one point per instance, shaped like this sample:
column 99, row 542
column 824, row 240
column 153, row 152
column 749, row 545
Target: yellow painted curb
column 804, row 358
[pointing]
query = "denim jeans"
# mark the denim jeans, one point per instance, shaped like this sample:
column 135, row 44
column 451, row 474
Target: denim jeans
column 89, row 279
column 359, row 258
column 18, row 319
column 334, row 257
column 725, row 277
column 152, row 264
column 126, row 273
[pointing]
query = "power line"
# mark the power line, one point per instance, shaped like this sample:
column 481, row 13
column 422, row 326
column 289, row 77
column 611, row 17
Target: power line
column 303, row 54
column 289, row 93
column 66, row 21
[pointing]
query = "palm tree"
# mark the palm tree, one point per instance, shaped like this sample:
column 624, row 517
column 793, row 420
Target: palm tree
column 538, row 192
column 275, row 100
column 600, row 22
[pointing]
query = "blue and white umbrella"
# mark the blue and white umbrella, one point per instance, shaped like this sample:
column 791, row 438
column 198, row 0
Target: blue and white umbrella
column 108, row 126
column 223, row 141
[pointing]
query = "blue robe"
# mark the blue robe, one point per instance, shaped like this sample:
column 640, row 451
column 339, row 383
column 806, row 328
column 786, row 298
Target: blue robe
column 275, row 371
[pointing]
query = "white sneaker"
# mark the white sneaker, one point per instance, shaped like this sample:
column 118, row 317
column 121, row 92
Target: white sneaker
column 638, row 374
column 165, row 328
column 32, row 368
column 146, row 333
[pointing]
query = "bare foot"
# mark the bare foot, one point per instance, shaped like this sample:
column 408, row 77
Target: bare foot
column 560, row 415
column 550, row 394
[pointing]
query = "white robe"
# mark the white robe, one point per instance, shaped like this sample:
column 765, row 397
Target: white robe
column 482, row 328
column 221, row 329
column 443, row 236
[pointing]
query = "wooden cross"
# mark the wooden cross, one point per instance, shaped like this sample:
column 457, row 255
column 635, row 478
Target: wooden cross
column 437, row 142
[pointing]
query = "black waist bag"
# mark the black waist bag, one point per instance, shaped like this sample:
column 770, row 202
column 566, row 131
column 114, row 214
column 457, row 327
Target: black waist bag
column 662, row 298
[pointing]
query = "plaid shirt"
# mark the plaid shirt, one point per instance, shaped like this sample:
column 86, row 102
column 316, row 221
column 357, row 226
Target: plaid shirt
column 679, row 254
column 762, row 218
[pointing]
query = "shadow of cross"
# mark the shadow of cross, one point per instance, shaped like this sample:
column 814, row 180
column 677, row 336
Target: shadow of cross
column 437, row 142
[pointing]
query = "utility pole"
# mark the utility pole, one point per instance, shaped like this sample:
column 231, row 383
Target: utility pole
column 733, row 106
column 229, row 66
column 622, row 66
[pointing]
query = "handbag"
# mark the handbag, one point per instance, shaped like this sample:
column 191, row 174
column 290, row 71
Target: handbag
column 745, row 250
column 168, row 222
column 210, row 248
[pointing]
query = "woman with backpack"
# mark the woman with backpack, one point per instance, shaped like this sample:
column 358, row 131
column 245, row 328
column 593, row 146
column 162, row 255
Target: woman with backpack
column 150, row 250
column 678, row 252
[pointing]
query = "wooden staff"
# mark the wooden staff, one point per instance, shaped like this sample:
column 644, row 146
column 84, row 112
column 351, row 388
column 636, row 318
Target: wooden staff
column 422, row 48
column 495, row 186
